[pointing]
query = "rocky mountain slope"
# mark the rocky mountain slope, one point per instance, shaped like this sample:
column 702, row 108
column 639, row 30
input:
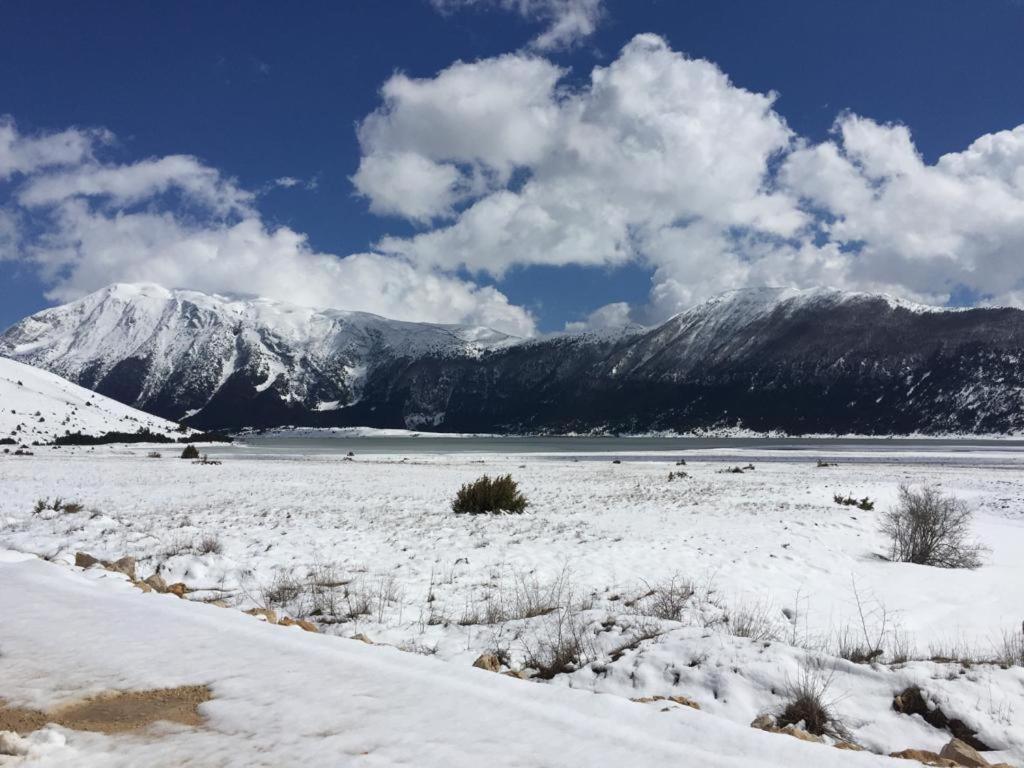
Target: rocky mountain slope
column 765, row 359
column 222, row 361
column 37, row 406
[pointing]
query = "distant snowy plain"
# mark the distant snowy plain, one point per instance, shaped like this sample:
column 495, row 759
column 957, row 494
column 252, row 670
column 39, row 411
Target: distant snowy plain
column 780, row 574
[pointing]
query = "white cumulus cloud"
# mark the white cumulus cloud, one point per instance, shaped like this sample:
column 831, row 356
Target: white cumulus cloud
column 567, row 21
column 915, row 228
column 660, row 159
column 656, row 147
column 435, row 142
column 94, row 222
column 26, row 154
column 610, row 316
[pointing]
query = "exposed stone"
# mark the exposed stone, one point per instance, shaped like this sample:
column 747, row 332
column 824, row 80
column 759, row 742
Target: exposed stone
column 797, row 733
column 362, row 638
column 848, row 745
column 156, row 581
column 768, row 723
column 489, row 662
column 143, row 586
column 309, row 626
column 178, row 589
column 685, row 701
column 964, row 754
column 125, row 565
column 911, row 701
column 925, row 757
column 84, row 560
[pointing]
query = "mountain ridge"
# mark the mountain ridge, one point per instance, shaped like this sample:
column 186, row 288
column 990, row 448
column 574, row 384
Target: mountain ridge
column 768, row 359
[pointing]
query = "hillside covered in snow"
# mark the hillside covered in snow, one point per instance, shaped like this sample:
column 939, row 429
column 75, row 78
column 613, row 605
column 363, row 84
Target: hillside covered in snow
column 768, row 360
column 37, row 406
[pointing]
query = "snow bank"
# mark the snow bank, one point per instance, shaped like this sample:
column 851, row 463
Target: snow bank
column 286, row 697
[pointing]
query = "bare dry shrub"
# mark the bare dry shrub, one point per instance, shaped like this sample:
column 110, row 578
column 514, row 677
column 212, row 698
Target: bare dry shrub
column 323, row 585
column 489, row 611
column 209, row 545
column 754, row 621
column 559, row 643
column 850, row 646
column 524, row 596
column 901, row 648
column 357, row 602
column 808, row 707
column 284, row 591
column 1010, row 652
column 384, row 592
column 867, row 645
column 927, row 528
column 667, row 600
column 958, row 650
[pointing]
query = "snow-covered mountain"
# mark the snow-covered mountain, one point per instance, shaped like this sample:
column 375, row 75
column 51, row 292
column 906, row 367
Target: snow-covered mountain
column 180, row 353
column 766, row 359
column 37, row 406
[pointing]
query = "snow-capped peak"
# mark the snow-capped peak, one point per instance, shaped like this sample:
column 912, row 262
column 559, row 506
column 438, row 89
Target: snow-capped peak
column 154, row 347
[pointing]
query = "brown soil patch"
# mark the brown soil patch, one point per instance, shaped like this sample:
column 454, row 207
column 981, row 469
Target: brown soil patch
column 21, row 720
column 114, row 712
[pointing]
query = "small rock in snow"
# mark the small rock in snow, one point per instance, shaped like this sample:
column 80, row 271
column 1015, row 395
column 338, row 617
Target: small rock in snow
column 84, row 560
column 156, row 581
column 489, row 662
column 265, row 613
column 925, row 757
column 178, row 589
column 963, row 753
column 125, row 565
column 309, row 626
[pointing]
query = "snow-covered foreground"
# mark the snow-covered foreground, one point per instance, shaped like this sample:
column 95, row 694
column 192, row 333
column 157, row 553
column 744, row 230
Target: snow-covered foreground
column 724, row 588
column 284, row 697
column 36, row 406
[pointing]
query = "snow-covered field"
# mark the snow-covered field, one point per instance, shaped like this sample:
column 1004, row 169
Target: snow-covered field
column 726, row 588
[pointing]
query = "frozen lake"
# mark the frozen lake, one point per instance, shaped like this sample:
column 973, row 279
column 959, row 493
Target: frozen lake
column 948, row 451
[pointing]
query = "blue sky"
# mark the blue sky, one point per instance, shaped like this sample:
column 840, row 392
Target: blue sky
column 257, row 92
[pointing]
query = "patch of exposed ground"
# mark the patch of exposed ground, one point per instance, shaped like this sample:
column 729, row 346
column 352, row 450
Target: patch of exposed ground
column 114, row 712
